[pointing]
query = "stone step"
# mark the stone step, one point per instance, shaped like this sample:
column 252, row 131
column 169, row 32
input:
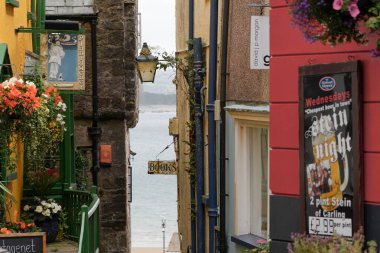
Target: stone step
column 64, row 246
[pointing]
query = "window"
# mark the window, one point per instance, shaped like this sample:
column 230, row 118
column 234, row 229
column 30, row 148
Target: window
column 14, row 3
column 258, row 140
column 251, row 180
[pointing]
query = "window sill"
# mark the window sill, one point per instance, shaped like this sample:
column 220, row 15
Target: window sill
column 14, row 3
column 249, row 241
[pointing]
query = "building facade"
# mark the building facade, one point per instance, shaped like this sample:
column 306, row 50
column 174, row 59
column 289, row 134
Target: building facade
column 14, row 15
column 14, row 48
column 247, row 124
column 259, row 154
column 289, row 52
column 190, row 226
column 111, row 27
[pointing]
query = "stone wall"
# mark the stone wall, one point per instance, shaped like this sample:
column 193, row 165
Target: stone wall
column 118, row 106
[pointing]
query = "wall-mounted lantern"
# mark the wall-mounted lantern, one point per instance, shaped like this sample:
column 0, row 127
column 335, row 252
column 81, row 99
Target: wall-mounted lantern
column 146, row 64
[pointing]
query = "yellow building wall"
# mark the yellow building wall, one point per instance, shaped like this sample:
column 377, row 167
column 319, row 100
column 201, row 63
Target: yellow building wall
column 16, row 186
column 11, row 18
column 201, row 30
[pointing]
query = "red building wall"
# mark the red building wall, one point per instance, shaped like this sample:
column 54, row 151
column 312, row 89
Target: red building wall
column 289, row 50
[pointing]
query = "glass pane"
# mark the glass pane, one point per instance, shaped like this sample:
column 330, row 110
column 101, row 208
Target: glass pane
column 258, row 163
column 264, row 182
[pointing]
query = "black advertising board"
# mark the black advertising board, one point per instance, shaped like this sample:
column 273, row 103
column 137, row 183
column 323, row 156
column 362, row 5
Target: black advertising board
column 330, row 148
column 24, row 243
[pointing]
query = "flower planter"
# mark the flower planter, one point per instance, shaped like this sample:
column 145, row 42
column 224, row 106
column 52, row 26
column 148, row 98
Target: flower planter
column 50, row 227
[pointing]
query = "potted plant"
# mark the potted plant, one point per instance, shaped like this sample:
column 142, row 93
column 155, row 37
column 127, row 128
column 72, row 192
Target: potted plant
column 263, row 247
column 45, row 214
column 42, row 181
column 18, row 227
column 319, row 244
column 336, row 21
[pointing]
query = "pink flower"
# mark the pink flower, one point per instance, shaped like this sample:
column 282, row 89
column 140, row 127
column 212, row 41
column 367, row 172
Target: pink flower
column 261, row 241
column 353, row 9
column 337, row 5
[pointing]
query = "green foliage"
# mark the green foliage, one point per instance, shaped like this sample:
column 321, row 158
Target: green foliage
column 82, row 165
column 18, row 227
column 337, row 244
column 41, row 210
column 335, row 22
column 43, row 180
column 46, row 130
column 262, row 248
column 373, row 21
column 62, row 225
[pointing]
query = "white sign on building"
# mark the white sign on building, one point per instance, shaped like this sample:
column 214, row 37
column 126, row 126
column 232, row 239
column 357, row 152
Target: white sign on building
column 259, row 54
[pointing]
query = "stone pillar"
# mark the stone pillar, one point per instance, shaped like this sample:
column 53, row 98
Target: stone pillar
column 118, row 111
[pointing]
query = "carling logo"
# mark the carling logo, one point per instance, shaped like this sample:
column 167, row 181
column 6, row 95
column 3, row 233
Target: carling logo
column 327, row 83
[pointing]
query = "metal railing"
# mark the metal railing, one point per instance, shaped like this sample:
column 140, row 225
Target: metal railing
column 83, row 216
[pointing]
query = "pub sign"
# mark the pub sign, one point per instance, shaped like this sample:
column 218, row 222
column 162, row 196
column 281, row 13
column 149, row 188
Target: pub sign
column 330, row 148
column 63, row 60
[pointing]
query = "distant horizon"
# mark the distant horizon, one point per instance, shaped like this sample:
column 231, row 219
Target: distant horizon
column 163, row 83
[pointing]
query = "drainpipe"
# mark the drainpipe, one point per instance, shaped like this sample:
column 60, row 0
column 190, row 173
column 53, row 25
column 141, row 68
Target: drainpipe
column 199, row 143
column 192, row 184
column 212, row 208
column 222, row 191
column 34, row 25
column 94, row 130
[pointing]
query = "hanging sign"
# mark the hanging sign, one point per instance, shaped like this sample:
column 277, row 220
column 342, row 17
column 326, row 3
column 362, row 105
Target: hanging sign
column 63, row 60
column 260, row 56
column 330, row 149
column 162, row 167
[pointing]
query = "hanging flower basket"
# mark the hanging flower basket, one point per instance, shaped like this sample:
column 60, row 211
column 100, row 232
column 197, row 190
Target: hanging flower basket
column 33, row 115
column 336, row 21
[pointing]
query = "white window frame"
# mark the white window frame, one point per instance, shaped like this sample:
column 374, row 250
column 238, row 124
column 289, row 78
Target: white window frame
column 243, row 123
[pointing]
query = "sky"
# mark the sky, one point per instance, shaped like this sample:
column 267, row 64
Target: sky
column 158, row 23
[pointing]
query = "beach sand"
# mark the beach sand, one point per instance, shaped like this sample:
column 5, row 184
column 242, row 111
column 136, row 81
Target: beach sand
column 146, row 250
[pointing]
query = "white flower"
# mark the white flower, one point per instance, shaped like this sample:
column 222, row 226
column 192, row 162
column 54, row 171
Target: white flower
column 13, row 80
column 20, row 81
column 30, row 84
column 5, row 85
column 63, row 107
column 59, row 117
column 45, row 95
column 26, row 208
column 43, row 202
column 46, row 212
column 47, row 110
column 56, row 208
column 38, row 209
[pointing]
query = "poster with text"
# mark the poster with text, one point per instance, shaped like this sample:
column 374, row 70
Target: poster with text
column 330, row 140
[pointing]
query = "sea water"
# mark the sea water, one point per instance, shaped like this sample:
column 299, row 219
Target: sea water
column 154, row 197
